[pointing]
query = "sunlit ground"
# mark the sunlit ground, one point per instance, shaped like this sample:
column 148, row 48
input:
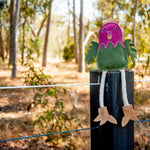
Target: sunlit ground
column 16, row 119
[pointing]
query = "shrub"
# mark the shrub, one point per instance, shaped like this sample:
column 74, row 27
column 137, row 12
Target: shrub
column 68, row 52
column 53, row 119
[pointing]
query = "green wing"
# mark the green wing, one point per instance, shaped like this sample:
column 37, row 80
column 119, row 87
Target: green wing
column 92, row 52
column 130, row 50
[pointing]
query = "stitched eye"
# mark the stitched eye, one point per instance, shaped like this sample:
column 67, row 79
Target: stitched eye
column 115, row 28
column 103, row 30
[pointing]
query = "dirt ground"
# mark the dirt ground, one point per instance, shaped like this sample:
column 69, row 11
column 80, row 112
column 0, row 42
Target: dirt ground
column 16, row 117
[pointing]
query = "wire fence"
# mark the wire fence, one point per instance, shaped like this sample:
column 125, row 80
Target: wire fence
column 40, row 135
column 42, row 86
column 59, row 85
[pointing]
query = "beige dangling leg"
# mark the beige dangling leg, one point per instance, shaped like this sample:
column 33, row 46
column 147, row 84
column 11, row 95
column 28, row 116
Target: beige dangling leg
column 129, row 112
column 103, row 116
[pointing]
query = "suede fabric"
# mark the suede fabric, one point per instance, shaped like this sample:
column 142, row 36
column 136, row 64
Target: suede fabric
column 110, row 33
column 111, row 58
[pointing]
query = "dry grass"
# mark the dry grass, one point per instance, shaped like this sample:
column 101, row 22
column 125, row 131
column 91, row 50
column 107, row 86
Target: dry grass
column 16, row 120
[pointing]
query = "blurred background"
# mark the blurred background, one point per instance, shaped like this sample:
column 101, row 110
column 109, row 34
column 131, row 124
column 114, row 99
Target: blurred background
column 44, row 42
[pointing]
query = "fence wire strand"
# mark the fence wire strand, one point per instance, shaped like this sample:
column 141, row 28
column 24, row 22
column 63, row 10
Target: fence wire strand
column 27, row 137
column 57, row 85
column 42, row 86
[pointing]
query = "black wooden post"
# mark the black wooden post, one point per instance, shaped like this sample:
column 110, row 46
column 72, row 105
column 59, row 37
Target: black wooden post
column 110, row 136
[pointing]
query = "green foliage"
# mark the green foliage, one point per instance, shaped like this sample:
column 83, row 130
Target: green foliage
column 34, row 45
column 92, row 52
column 31, row 48
column 31, row 10
column 68, row 52
column 56, row 120
column 53, row 119
column 35, row 76
column 70, row 146
column 31, row 7
column 2, row 4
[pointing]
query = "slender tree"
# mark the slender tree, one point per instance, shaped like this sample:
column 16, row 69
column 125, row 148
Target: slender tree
column 28, row 12
column 1, row 41
column 81, row 40
column 75, row 33
column 23, row 41
column 14, row 48
column 68, row 21
column 23, row 14
column 12, row 4
column 2, row 4
column 47, row 36
column 37, row 34
column 134, row 21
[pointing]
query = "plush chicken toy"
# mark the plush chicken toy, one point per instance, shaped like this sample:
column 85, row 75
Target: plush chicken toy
column 112, row 55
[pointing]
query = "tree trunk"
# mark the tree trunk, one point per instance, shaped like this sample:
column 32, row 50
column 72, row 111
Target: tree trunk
column 113, row 9
column 68, row 21
column 75, row 34
column 47, row 36
column 1, row 42
column 14, row 48
column 81, row 40
column 23, row 42
column 12, row 5
column 41, row 26
column 134, row 22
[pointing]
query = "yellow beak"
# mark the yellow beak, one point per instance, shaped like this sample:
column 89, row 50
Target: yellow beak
column 109, row 37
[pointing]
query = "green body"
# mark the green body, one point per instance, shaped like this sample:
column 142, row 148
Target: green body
column 111, row 59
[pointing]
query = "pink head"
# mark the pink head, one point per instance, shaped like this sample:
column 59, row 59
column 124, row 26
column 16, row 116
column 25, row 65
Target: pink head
column 110, row 33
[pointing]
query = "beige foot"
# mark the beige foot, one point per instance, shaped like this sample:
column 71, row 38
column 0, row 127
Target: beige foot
column 129, row 114
column 104, row 116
